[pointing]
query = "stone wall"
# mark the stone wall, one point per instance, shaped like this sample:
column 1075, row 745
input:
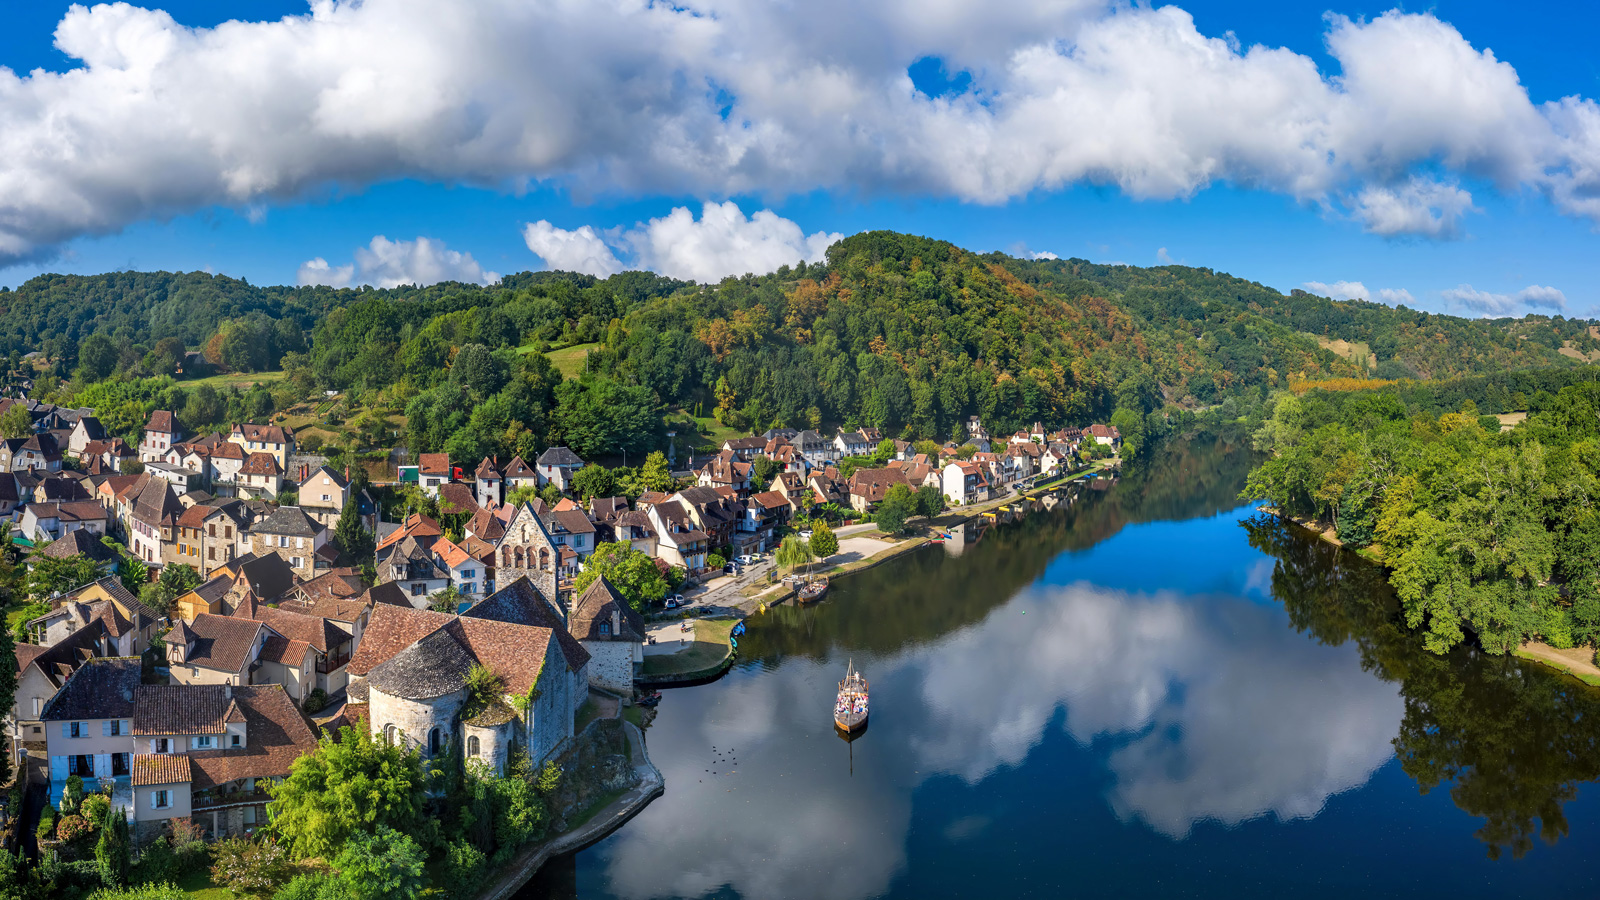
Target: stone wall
column 413, row 718
column 611, row 665
column 494, row 744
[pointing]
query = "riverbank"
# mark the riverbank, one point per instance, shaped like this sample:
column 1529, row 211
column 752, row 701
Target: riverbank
column 1577, row 662
column 707, row 656
column 595, row 827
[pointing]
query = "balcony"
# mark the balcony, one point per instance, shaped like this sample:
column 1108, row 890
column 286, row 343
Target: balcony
column 219, row 799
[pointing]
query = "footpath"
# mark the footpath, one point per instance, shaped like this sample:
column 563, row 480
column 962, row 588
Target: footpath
column 599, row 826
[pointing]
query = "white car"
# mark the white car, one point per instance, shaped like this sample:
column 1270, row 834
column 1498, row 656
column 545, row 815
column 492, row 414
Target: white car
column 746, row 560
column 806, row 534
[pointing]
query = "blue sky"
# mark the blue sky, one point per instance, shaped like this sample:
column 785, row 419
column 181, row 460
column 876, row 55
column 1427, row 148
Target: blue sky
column 1516, row 232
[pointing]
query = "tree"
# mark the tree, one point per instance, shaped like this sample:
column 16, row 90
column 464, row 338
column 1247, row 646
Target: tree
column 631, row 572
column 884, row 452
column 794, row 552
column 523, row 494
column 355, row 785
column 251, row 868
column 824, row 543
column 765, row 469
column 16, row 422
column 131, row 467
column 352, row 537
column 97, row 357
column 175, row 581
column 445, row 601
column 594, row 481
column 898, row 505
column 51, row 575
column 384, row 865
column 655, row 475
column 113, row 851
column 930, row 501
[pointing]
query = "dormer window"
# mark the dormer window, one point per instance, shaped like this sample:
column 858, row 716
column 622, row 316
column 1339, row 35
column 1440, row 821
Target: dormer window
column 605, row 629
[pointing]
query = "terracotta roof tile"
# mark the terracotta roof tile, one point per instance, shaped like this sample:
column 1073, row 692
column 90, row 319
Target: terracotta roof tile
column 160, row 768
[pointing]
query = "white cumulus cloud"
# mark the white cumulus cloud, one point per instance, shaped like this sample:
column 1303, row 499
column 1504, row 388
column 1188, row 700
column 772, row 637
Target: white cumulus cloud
column 1396, row 296
column 722, row 242
column 385, row 263
column 619, row 97
column 1490, row 304
column 1418, row 207
column 579, row 250
column 1339, row 290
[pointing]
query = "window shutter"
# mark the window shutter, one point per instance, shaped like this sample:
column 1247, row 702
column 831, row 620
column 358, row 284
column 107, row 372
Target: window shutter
column 155, row 799
column 66, row 729
column 105, row 728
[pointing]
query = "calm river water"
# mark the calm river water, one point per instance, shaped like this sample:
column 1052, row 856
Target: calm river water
column 1152, row 693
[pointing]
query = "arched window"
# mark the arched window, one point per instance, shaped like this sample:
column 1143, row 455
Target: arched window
column 472, row 746
column 505, row 557
column 388, row 734
column 433, row 742
column 544, row 560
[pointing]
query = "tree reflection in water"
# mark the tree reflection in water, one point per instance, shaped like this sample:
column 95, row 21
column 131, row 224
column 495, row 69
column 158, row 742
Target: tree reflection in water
column 1513, row 739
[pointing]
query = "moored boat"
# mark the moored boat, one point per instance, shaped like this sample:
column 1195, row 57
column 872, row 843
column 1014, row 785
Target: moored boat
column 812, row 590
column 850, row 708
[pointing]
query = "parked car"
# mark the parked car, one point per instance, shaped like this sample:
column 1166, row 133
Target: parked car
column 806, row 534
column 746, row 559
column 673, row 601
column 730, row 569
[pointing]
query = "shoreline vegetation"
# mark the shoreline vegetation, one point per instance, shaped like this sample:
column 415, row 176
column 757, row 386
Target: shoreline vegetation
column 1482, row 523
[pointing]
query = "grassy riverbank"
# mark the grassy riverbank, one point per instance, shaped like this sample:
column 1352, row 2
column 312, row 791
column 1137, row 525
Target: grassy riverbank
column 709, row 654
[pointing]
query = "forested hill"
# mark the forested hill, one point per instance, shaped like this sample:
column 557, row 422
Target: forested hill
column 901, row 332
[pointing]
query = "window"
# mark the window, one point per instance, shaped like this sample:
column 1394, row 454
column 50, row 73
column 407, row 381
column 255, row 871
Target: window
column 202, row 742
column 227, row 531
column 160, row 745
column 116, row 728
column 213, row 529
column 472, row 746
column 160, row 799
column 296, row 562
column 605, row 629
column 389, row 734
column 79, row 729
column 469, row 573
column 416, row 590
column 434, row 742
column 235, row 741
column 326, row 498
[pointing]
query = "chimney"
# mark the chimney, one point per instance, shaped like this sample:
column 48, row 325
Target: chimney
column 616, row 621
column 227, row 691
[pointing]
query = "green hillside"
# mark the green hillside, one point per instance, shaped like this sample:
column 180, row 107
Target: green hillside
column 909, row 334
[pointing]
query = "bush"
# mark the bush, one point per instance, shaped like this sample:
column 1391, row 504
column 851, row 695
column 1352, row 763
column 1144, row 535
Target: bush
column 157, row 863
column 715, row 561
column 47, row 824
column 316, row 701
column 250, row 868
column 465, row 866
column 73, row 827
column 94, row 809
column 71, row 795
column 164, row 890
column 311, row 443
column 311, row 886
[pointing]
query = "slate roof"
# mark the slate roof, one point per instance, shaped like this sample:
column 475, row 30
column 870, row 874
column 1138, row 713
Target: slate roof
column 488, row 470
column 568, row 521
column 79, row 543
column 269, row 576
column 387, row 594
column 595, row 606
column 277, row 735
column 183, row 709
column 559, row 456
column 99, row 689
column 289, row 520
column 155, row 503
column 160, row 768
column 60, row 487
column 223, row 643
column 435, row 665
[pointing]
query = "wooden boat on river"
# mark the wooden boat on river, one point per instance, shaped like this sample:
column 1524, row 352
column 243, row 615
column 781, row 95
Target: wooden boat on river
column 850, row 709
column 812, row 591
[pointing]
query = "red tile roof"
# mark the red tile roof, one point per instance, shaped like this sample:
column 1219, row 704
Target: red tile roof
column 160, row 768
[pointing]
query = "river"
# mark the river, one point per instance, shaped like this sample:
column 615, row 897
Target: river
column 1152, row 692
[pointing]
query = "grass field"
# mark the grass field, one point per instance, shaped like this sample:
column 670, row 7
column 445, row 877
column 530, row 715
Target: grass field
column 568, row 360
column 198, row 886
column 238, row 380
